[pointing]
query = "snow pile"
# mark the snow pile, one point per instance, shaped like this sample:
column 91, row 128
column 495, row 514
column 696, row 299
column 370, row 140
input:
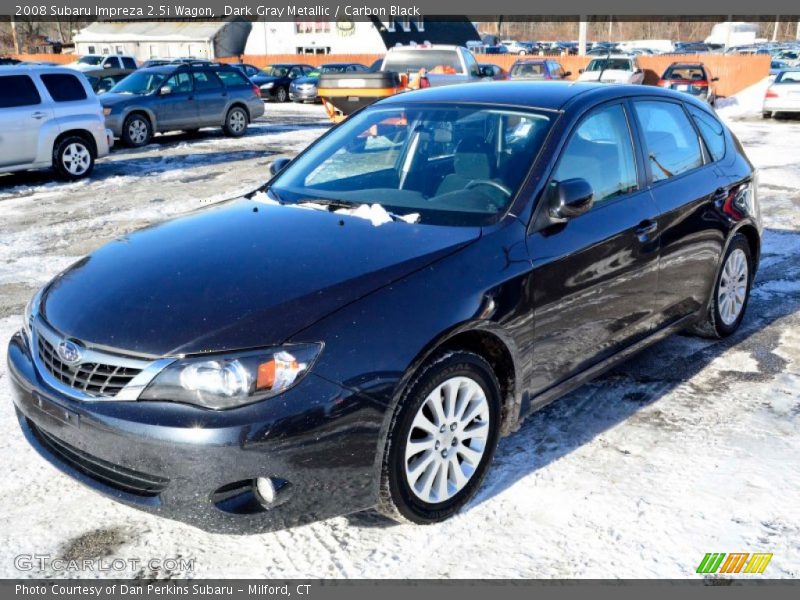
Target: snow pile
column 376, row 214
column 747, row 102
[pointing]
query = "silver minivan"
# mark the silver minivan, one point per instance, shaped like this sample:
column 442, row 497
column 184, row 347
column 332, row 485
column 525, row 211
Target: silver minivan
column 50, row 117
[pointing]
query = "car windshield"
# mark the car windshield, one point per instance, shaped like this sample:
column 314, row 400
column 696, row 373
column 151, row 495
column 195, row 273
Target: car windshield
column 435, row 61
column 610, row 64
column 452, row 165
column 788, row 77
column 528, row 71
column 90, row 60
column 685, row 73
column 139, row 83
column 275, row 71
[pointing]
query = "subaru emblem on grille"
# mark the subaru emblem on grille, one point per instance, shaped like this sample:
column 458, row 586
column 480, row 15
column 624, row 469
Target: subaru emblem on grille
column 69, row 352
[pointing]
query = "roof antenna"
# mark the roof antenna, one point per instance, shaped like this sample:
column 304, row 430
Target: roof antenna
column 605, row 64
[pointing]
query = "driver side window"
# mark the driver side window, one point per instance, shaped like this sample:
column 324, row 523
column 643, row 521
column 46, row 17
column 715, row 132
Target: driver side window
column 600, row 151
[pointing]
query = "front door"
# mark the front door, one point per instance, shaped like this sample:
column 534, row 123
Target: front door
column 594, row 277
column 176, row 109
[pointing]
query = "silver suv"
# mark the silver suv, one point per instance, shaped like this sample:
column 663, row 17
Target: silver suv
column 50, row 117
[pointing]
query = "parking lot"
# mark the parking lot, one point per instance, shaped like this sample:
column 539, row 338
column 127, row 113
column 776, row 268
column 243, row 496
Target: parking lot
column 689, row 448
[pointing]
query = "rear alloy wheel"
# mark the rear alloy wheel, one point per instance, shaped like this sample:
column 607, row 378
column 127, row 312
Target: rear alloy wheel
column 136, row 131
column 235, row 122
column 442, row 440
column 73, row 158
column 731, row 292
column 281, row 94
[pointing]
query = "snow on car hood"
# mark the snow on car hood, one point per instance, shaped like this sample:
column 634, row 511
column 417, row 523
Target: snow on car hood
column 244, row 275
column 609, row 75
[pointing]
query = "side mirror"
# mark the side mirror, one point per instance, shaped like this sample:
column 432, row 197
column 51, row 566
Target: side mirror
column 637, row 71
column 164, row 90
column 487, row 72
column 581, row 71
column 278, row 165
column 570, row 198
column 567, row 74
column 715, row 79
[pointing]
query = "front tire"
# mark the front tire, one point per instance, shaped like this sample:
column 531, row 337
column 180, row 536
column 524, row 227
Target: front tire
column 281, row 94
column 731, row 291
column 441, row 440
column 73, row 158
column 235, row 122
column 137, row 131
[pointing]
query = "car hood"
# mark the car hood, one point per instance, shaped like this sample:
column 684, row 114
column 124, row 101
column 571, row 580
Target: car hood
column 305, row 80
column 609, row 75
column 241, row 276
column 111, row 99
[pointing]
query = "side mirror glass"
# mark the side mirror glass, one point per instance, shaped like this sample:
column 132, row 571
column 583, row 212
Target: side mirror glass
column 570, row 198
column 278, row 165
column 165, row 90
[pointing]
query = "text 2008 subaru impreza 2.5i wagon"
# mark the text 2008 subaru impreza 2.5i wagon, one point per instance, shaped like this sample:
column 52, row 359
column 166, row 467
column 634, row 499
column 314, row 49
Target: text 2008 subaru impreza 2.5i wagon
column 360, row 331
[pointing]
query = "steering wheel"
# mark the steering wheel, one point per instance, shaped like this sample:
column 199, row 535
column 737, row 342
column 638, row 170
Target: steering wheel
column 489, row 182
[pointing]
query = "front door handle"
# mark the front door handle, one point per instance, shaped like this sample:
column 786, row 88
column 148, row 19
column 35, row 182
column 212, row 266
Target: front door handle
column 646, row 229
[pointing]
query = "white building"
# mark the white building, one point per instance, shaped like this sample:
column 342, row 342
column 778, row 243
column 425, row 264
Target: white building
column 146, row 40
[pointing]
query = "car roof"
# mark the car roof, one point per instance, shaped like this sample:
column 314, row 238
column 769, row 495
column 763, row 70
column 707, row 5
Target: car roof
column 683, row 65
column 529, row 94
column 533, row 61
column 31, row 68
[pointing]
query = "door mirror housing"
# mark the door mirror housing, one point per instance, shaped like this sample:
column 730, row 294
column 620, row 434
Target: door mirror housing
column 487, row 72
column 570, row 198
column 581, row 71
column 715, row 79
column 567, row 74
column 278, row 165
column 164, row 90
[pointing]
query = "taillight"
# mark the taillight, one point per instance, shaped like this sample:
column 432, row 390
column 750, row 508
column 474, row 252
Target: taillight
column 663, row 83
column 424, row 82
column 256, row 90
column 770, row 94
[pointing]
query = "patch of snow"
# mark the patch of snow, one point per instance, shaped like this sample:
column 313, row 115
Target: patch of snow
column 749, row 101
column 376, row 214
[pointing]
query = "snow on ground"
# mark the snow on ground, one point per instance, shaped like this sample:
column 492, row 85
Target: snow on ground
column 691, row 447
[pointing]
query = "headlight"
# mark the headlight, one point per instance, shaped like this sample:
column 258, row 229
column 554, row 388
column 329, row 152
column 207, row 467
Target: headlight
column 267, row 86
column 30, row 308
column 231, row 380
column 106, row 111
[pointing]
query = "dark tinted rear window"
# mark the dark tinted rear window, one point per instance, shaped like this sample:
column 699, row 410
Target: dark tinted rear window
column 18, row 90
column 128, row 63
column 64, row 88
column 232, row 77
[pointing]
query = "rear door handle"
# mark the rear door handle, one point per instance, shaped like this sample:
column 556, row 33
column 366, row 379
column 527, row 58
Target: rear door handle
column 646, row 229
column 39, row 115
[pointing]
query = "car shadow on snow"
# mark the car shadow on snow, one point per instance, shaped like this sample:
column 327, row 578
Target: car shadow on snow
column 134, row 166
column 586, row 413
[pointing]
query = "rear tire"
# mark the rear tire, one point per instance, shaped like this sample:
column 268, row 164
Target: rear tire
column 137, row 131
column 731, row 292
column 235, row 122
column 281, row 94
column 766, row 115
column 442, row 439
column 73, row 158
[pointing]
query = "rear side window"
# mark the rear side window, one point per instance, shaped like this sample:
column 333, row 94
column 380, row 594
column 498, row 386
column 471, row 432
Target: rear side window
column 232, row 77
column 64, row 88
column 206, row 81
column 672, row 146
column 128, row 63
column 601, row 152
column 712, row 132
column 18, row 90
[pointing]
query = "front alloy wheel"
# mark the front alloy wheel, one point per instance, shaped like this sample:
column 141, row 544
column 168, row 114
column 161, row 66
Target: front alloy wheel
column 281, row 95
column 136, row 131
column 441, row 440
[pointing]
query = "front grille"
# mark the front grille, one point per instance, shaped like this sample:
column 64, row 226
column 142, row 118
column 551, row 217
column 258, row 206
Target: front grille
column 96, row 379
column 115, row 476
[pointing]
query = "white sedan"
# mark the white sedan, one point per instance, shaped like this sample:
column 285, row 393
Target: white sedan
column 613, row 69
column 783, row 94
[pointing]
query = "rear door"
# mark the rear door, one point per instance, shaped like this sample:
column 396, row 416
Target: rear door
column 22, row 113
column 210, row 96
column 594, row 277
column 686, row 186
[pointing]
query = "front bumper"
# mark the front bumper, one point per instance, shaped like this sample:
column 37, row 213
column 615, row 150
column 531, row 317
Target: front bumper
column 303, row 94
column 114, row 123
column 196, row 465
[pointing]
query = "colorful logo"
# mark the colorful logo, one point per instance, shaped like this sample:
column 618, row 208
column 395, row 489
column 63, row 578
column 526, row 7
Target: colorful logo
column 737, row 562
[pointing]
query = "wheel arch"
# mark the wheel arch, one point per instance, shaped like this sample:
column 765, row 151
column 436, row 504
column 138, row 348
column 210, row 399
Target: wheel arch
column 239, row 104
column 147, row 114
column 85, row 135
